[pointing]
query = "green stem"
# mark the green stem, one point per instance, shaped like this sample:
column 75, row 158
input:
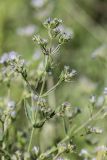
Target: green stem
column 58, row 154
column 29, row 85
column 35, row 115
column 56, row 49
column 65, row 126
column 52, row 150
column 32, row 132
column 42, row 88
column 49, row 91
column 31, row 137
column 87, row 122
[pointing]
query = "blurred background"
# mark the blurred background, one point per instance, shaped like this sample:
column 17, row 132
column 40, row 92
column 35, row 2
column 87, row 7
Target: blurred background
column 87, row 52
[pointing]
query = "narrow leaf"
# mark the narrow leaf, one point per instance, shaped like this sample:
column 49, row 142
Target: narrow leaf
column 28, row 112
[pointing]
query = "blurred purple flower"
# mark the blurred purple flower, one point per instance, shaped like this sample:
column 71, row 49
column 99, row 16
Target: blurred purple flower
column 8, row 56
column 101, row 148
column 12, row 55
column 4, row 58
column 27, row 30
column 37, row 54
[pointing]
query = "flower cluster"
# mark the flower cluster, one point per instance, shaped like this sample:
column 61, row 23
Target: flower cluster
column 66, row 147
column 52, row 23
column 94, row 130
column 8, row 57
column 67, row 74
column 54, row 30
column 14, row 61
column 42, row 42
column 7, row 115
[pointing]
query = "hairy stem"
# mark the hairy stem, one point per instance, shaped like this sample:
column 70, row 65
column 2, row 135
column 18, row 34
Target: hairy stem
column 35, row 115
column 52, row 89
column 31, row 137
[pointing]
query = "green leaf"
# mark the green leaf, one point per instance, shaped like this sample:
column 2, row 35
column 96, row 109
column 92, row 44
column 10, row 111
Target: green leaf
column 29, row 112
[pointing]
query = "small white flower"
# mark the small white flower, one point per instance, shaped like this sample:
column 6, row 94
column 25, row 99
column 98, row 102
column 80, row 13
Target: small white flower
column 105, row 91
column 11, row 104
column 13, row 114
column 35, row 150
column 92, row 99
column 38, row 3
column 83, row 152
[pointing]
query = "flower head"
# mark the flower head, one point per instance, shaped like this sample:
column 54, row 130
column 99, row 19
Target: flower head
column 67, row 74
